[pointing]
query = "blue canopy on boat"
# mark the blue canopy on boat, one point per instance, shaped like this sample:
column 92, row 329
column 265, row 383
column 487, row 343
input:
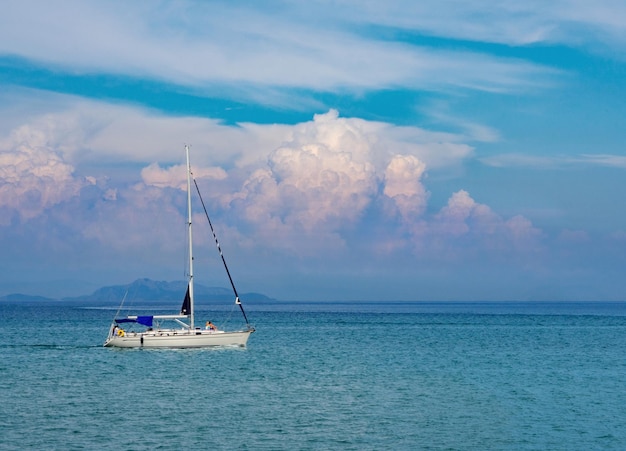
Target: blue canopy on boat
column 143, row 320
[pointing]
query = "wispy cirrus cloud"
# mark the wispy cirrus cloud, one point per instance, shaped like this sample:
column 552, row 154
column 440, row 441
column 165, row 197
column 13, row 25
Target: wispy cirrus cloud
column 615, row 161
column 201, row 45
column 553, row 162
column 575, row 23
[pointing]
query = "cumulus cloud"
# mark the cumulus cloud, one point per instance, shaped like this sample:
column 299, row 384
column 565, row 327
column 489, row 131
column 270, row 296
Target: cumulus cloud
column 89, row 133
column 322, row 179
column 176, row 176
column 333, row 170
column 463, row 217
column 524, row 235
column 403, row 185
column 33, row 175
column 304, row 189
column 138, row 218
column 452, row 219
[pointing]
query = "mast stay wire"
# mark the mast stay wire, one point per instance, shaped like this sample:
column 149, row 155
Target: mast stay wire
column 232, row 284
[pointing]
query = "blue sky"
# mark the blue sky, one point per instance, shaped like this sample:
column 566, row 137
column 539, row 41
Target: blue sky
column 457, row 150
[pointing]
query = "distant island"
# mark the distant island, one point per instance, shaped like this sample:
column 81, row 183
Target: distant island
column 144, row 290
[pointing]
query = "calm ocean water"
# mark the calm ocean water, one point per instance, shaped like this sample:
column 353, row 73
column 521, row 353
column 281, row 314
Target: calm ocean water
column 324, row 376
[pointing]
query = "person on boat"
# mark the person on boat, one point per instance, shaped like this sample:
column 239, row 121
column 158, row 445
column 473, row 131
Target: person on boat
column 210, row 326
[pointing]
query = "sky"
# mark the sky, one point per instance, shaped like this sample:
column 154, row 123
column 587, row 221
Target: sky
column 346, row 150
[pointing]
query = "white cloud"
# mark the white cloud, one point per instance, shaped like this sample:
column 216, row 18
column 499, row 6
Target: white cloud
column 403, row 185
column 556, row 161
column 334, row 169
column 440, row 111
column 452, row 219
column 434, row 149
column 517, row 159
column 524, row 235
column 243, row 46
column 324, row 171
column 94, row 133
column 304, row 190
column 571, row 22
column 323, row 177
column 34, row 175
column 464, row 217
column 137, row 218
column 176, row 176
column 615, row 161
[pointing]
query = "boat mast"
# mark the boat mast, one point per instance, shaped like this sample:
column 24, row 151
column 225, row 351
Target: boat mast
column 191, row 299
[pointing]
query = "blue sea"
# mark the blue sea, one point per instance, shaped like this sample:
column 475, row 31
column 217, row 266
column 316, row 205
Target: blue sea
column 319, row 376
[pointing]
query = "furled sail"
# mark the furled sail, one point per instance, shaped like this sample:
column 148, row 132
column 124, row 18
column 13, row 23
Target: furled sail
column 186, row 307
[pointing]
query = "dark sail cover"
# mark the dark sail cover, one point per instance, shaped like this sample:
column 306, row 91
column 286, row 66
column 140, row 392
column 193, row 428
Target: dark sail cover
column 143, row 320
column 186, row 308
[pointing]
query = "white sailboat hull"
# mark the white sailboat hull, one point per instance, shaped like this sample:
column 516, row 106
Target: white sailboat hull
column 179, row 339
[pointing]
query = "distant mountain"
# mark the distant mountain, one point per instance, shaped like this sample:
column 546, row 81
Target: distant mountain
column 152, row 290
column 17, row 297
column 146, row 290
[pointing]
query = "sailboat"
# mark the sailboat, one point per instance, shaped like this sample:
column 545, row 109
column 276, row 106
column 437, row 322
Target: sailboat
column 183, row 333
